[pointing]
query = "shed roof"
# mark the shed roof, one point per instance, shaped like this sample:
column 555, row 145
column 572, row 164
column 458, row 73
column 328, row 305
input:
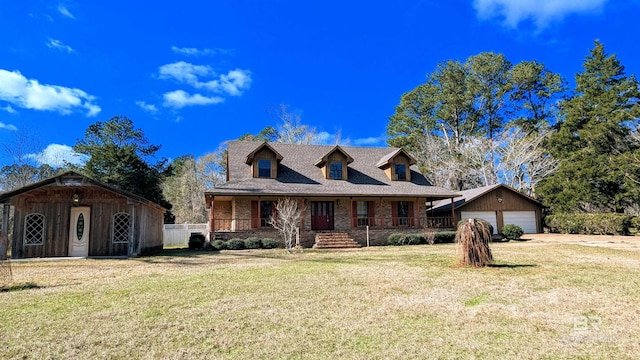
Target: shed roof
column 74, row 179
column 298, row 175
column 472, row 194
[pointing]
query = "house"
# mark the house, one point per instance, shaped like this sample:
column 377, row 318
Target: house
column 340, row 189
column 73, row 215
column 498, row 204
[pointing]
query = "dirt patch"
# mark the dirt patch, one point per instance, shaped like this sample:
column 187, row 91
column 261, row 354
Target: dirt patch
column 608, row 241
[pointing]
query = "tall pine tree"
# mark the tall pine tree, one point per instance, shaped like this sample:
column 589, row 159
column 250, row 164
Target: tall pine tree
column 593, row 138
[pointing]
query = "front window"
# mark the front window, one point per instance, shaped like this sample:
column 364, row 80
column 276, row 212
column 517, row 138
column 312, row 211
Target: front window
column 401, row 171
column 120, row 228
column 335, row 170
column 264, row 168
column 34, row 229
column 266, row 209
column 403, row 213
column 363, row 213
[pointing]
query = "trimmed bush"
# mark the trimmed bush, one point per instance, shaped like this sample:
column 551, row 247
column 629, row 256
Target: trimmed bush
column 444, row 237
column 252, row 243
column 235, row 244
column 269, row 243
column 406, row 239
column 512, row 231
column 590, row 224
column 483, row 221
column 196, row 241
column 219, row 245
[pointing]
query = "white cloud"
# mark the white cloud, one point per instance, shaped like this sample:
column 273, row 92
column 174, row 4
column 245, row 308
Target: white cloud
column 184, row 72
column 57, row 44
column 8, row 126
column 57, row 155
column 231, row 83
column 190, row 51
column 64, row 11
column 9, row 109
column 30, row 94
column 147, row 107
column 371, row 141
column 178, row 99
column 541, row 12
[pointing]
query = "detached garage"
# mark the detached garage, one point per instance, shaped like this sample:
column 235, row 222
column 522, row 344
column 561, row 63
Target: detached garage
column 498, row 204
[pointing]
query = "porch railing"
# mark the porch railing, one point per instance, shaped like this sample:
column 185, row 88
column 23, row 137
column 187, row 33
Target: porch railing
column 439, row 222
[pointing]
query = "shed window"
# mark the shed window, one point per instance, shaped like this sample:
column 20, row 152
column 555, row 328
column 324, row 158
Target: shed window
column 121, row 228
column 264, row 168
column 34, row 229
column 335, row 170
column 401, row 171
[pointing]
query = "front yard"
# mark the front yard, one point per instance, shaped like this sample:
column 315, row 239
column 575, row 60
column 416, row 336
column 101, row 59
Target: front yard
column 542, row 300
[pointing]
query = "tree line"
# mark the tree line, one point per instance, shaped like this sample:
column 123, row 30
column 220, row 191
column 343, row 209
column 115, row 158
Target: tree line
column 473, row 123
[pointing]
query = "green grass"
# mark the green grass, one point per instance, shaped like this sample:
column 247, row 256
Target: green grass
column 376, row 303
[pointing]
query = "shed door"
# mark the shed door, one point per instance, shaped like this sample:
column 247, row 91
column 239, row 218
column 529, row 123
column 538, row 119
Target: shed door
column 525, row 219
column 79, row 231
column 490, row 216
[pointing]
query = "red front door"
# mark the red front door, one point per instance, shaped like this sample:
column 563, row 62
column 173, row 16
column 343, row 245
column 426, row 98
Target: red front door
column 322, row 215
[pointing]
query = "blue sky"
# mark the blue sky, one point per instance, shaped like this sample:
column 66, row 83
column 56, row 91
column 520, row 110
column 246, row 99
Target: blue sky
column 193, row 74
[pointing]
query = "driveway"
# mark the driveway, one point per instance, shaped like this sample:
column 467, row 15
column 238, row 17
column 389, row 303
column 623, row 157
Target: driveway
column 609, row 241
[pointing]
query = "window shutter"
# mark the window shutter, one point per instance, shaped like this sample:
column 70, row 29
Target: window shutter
column 372, row 213
column 411, row 211
column 354, row 214
column 394, row 213
column 255, row 214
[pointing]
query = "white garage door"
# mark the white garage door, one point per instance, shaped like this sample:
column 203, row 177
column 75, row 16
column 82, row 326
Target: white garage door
column 490, row 216
column 525, row 219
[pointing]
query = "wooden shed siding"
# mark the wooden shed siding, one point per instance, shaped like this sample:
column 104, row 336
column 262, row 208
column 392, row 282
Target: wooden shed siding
column 55, row 204
column 510, row 202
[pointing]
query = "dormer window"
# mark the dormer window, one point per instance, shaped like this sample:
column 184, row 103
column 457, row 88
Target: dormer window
column 334, row 164
column 264, row 161
column 397, row 165
column 335, row 170
column 264, row 168
column 400, row 172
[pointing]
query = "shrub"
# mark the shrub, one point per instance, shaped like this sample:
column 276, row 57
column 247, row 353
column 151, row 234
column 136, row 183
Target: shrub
column 219, row 245
column 600, row 224
column 252, row 243
column 635, row 223
column 483, row 221
column 269, row 243
column 406, row 239
column 196, row 241
column 444, row 237
column 235, row 244
column 512, row 232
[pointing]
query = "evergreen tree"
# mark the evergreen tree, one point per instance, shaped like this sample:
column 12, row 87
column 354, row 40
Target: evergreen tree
column 593, row 138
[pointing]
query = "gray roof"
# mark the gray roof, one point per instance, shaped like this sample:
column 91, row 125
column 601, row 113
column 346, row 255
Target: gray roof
column 472, row 194
column 298, row 176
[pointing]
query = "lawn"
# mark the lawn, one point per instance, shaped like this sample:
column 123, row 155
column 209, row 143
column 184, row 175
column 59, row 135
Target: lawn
column 541, row 301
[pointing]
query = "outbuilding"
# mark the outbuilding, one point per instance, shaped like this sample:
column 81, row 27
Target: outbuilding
column 498, row 204
column 74, row 215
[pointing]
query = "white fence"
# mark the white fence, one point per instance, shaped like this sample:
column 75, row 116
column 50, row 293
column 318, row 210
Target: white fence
column 178, row 234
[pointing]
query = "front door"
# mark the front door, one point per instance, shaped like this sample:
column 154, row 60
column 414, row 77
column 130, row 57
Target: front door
column 79, row 231
column 322, row 215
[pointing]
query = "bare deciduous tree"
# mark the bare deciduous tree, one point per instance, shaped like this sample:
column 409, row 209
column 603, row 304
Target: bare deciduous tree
column 286, row 220
column 290, row 128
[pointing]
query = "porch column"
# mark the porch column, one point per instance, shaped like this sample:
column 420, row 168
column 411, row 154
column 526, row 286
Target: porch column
column 416, row 212
column 381, row 215
column 352, row 219
column 132, row 230
column 453, row 214
column 4, row 231
column 212, row 219
column 426, row 212
column 302, row 210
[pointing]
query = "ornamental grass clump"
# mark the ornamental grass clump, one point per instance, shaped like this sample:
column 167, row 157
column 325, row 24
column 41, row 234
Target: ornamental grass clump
column 473, row 239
